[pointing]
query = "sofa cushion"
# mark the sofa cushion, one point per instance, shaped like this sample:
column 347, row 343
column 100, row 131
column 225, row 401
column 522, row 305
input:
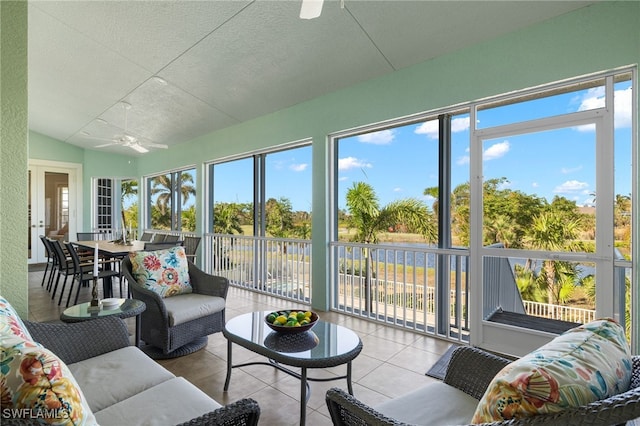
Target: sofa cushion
column 115, row 376
column 172, row 402
column 35, row 379
column 10, row 322
column 192, row 306
column 165, row 272
column 451, row 406
column 582, row 365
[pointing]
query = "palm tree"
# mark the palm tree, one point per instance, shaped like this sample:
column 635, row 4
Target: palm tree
column 164, row 186
column 369, row 220
column 553, row 231
column 129, row 188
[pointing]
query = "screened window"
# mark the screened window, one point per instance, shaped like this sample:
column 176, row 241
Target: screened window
column 171, row 201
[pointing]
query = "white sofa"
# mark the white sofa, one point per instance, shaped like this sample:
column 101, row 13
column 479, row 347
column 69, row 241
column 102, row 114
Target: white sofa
column 120, row 384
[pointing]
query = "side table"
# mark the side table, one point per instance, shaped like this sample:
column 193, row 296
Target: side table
column 124, row 308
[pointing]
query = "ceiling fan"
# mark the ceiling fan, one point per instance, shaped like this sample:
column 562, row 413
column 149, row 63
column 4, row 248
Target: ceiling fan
column 129, row 140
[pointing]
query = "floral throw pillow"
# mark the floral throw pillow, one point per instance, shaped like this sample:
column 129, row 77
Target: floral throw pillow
column 582, row 365
column 10, row 322
column 36, row 387
column 165, row 272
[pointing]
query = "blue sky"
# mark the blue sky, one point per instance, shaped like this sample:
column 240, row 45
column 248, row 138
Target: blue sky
column 403, row 161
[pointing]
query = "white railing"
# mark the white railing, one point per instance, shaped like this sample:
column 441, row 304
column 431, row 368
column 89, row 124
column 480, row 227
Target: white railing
column 400, row 287
column 277, row 266
column 563, row 313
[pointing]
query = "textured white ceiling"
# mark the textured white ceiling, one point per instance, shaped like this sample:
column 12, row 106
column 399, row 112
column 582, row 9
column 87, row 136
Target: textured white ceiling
column 224, row 62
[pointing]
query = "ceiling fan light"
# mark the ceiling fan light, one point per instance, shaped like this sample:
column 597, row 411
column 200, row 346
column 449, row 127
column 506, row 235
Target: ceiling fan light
column 311, row 9
column 141, row 149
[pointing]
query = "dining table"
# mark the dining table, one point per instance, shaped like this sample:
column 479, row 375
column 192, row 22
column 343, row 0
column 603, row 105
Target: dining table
column 111, row 250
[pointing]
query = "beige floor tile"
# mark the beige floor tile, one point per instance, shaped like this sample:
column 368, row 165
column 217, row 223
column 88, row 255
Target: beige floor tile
column 392, row 362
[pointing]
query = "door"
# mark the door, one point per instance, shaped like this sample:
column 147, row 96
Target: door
column 52, row 207
column 561, row 255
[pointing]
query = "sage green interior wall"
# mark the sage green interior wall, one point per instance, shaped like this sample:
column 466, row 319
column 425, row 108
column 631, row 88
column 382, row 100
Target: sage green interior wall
column 13, row 154
column 95, row 164
column 600, row 37
column 43, row 147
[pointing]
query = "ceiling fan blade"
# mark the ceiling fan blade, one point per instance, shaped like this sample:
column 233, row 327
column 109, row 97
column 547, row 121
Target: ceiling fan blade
column 155, row 145
column 137, row 147
column 311, row 9
column 106, row 144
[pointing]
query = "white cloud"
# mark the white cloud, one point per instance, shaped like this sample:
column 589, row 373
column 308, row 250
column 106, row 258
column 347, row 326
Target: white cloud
column 535, row 185
column 566, row 171
column 461, row 161
column 571, row 186
column 397, row 189
column 349, row 163
column 496, row 151
column 430, row 128
column 298, row 167
column 382, row 137
column 621, row 104
column 460, row 124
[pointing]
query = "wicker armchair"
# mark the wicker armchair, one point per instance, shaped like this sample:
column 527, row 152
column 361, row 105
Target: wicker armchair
column 74, row 342
column 471, row 370
column 162, row 337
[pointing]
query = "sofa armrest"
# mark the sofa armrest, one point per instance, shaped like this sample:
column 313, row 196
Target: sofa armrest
column 74, row 342
column 471, row 370
column 211, row 285
column 244, row 412
column 346, row 410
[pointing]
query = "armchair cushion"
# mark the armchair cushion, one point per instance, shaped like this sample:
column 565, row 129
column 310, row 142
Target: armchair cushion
column 585, row 364
column 454, row 406
column 35, row 379
column 10, row 322
column 192, row 306
column 165, row 272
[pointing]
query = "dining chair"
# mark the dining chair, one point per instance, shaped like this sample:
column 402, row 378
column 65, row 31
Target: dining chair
column 146, row 236
column 49, row 265
column 64, row 267
column 83, row 274
column 191, row 244
column 171, row 238
column 89, row 236
column 161, row 245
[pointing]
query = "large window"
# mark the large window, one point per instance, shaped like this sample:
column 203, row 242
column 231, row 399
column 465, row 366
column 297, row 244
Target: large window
column 171, row 201
column 277, row 184
column 260, row 220
column 551, row 176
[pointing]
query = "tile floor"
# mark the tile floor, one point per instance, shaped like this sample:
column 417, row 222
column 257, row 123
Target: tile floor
column 391, row 363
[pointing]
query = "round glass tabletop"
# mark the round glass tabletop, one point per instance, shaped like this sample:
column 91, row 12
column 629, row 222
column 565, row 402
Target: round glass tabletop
column 123, row 308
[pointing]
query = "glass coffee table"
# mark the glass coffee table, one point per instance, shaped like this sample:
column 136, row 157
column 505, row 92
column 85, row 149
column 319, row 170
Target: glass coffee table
column 325, row 345
column 122, row 308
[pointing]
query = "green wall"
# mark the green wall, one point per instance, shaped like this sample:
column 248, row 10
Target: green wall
column 596, row 38
column 13, row 154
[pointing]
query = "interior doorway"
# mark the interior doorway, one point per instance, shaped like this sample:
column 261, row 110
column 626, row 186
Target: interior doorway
column 54, row 192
